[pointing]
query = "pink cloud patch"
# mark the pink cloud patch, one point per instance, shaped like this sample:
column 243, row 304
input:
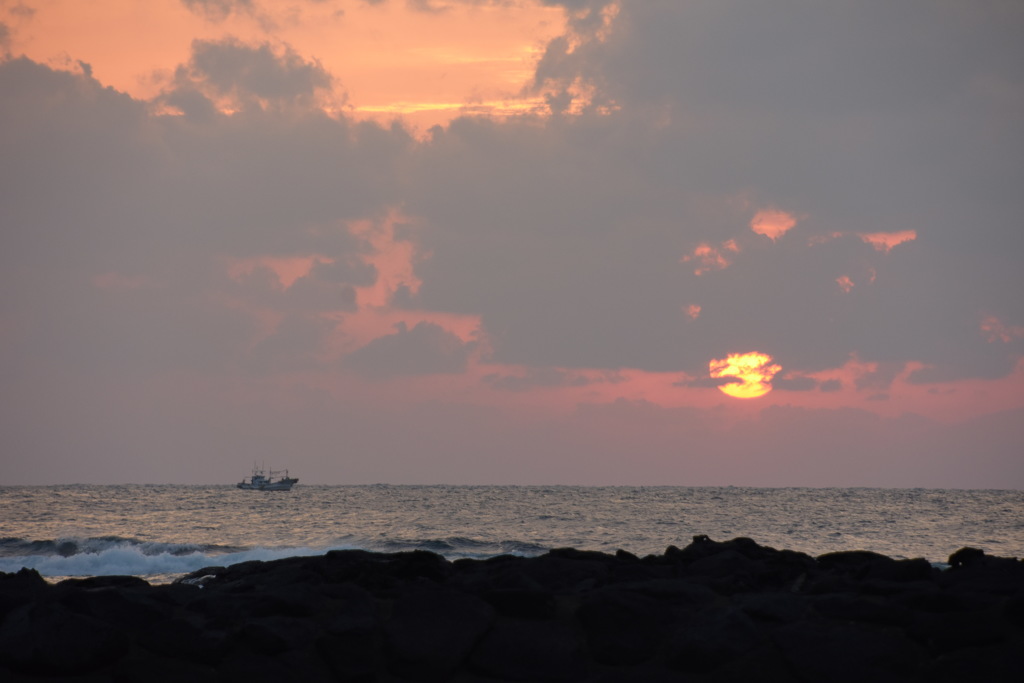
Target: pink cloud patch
column 997, row 331
column 772, row 223
column 710, row 258
column 885, row 241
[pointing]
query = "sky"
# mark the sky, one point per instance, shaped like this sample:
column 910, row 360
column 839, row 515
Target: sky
column 597, row 242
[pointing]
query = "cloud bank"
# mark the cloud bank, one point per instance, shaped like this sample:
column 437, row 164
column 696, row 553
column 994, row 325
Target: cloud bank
column 241, row 265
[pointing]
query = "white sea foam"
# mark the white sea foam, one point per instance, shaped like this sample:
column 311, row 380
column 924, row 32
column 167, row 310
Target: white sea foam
column 128, row 559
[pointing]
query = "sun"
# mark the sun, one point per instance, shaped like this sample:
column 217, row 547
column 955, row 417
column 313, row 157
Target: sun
column 753, row 372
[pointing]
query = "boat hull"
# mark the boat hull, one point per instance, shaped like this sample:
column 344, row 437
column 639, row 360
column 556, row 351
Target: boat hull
column 284, row 485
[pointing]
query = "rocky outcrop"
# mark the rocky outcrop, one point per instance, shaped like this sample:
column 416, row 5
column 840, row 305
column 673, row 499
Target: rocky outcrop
column 712, row 611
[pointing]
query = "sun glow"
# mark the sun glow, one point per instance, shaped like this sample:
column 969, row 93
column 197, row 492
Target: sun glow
column 753, row 372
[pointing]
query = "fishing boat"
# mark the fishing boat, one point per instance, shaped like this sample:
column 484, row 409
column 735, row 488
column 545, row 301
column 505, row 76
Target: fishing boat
column 267, row 480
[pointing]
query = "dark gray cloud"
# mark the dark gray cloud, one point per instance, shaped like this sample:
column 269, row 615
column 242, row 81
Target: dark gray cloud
column 707, row 382
column 568, row 238
column 231, row 67
column 296, row 345
column 831, row 385
column 219, row 10
column 120, row 227
column 423, row 350
column 859, row 120
column 328, row 286
column 795, row 384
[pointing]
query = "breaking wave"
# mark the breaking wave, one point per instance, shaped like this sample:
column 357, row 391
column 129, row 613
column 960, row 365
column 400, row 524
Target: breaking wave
column 114, row 556
column 456, row 547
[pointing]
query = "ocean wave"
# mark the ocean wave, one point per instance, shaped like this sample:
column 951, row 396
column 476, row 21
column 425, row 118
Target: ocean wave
column 114, row 555
column 71, row 546
column 456, row 547
column 111, row 555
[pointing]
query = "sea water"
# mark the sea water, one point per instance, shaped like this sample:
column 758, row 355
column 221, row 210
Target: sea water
column 161, row 532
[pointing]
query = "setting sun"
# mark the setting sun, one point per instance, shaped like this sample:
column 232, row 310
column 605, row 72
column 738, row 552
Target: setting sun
column 753, row 372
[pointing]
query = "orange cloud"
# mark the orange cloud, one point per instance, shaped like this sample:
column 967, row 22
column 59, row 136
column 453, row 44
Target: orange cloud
column 845, row 283
column 693, row 311
column 392, row 257
column 711, row 258
column 885, row 241
column 753, row 372
column 772, row 223
column 389, row 58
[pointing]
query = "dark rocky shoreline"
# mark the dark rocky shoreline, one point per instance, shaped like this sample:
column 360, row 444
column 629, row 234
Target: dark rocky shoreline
column 713, row 611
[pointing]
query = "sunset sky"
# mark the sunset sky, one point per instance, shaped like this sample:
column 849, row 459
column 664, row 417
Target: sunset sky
column 511, row 241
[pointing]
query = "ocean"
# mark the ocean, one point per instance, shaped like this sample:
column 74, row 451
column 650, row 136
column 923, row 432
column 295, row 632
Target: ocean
column 160, row 532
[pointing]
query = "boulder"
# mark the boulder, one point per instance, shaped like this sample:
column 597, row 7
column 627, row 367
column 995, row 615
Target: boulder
column 709, row 640
column 848, row 652
column 624, row 627
column 528, row 650
column 46, row 638
column 432, row 631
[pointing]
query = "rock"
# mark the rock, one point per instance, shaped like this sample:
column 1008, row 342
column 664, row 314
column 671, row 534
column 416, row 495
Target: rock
column 528, row 650
column 432, row 631
column 523, row 603
column 712, row 639
column 352, row 643
column 674, row 592
column 848, row 652
column 713, row 611
column 20, row 588
column 624, row 627
column 934, row 601
column 291, row 600
column 274, row 635
column 47, row 639
column 265, row 668
column 726, row 564
column 182, row 638
column 568, row 570
column 144, row 667
column 1013, row 611
column 132, row 609
column 1001, row 663
column 950, row 631
column 783, row 608
column 854, row 563
column 105, row 582
column 971, row 570
column 965, row 557
column 918, row 569
column 352, row 655
column 858, row 608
